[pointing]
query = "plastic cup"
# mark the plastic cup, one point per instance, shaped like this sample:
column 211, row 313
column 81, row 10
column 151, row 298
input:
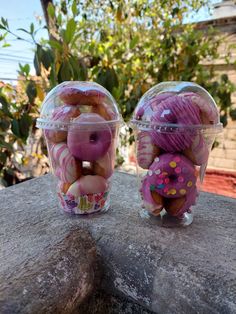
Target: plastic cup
column 175, row 126
column 81, row 123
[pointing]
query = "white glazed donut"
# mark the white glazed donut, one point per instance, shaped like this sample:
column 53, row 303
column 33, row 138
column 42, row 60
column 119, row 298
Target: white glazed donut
column 68, row 169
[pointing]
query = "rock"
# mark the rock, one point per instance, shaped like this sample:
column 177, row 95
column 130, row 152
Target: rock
column 55, row 280
column 178, row 270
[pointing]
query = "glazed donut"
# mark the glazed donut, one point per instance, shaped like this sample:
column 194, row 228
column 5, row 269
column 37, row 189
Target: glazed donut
column 104, row 111
column 88, row 185
column 61, row 114
column 177, row 109
column 72, row 95
column 67, row 168
column 90, row 139
column 209, row 113
column 198, row 152
column 146, row 150
column 104, row 166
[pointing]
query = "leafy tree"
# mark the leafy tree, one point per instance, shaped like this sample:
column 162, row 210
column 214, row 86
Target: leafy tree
column 126, row 46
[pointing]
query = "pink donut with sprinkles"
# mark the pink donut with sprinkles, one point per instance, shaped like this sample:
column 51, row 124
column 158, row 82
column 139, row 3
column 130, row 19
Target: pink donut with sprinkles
column 171, row 176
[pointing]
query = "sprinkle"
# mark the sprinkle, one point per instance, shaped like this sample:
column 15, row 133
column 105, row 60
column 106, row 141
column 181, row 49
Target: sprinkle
column 180, row 179
column 160, row 186
column 159, row 181
column 165, row 173
column 167, row 180
column 177, row 159
column 158, row 171
column 157, row 159
column 150, row 172
column 178, row 170
column 182, row 191
column 172, row 192
column 172, row 164
column 189, row 184
column 152, row 187
column 165, row 190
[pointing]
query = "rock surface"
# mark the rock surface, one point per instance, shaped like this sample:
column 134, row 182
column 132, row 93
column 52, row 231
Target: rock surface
column 178, row 270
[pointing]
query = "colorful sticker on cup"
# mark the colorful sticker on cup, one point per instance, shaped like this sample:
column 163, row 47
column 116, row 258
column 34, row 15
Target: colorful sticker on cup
column 83, row 204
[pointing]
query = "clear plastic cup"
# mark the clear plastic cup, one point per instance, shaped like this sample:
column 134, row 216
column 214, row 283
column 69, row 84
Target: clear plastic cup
column 175, row 125
column 81, row 123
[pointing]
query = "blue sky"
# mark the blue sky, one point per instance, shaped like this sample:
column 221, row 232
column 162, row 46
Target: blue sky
column 20, row 14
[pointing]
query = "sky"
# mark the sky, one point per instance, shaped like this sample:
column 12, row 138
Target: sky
column 20, row 14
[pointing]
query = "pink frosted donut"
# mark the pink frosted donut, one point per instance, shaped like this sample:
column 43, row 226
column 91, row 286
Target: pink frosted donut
column 88, row 185
column 61, row 114
column 177, row 109
column 72, row 95
column 198, row 152
column 153, row 102
column 146, row 150
column 171, row 176
column 67, row 169
column 90, row 139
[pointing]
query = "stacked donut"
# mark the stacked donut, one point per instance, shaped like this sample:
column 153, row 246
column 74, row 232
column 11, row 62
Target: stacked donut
column 171, row 154
column 82, row 155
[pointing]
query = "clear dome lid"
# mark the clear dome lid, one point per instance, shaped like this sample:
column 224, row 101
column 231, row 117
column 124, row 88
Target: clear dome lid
column 171, row 106
column 68, row 100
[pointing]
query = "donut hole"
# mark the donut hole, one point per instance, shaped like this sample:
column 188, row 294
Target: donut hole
column 93, row 138
column 173, row 178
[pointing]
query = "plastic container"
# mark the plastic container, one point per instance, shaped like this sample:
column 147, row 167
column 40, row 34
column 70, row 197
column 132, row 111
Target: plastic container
column 175, row 125
column 81, row 122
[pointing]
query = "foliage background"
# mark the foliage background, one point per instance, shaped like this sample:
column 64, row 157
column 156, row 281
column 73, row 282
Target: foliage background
column 126, row 46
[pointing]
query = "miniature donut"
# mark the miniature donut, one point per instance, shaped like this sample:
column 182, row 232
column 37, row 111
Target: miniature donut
column 209, row 113
column 90, row 139
column 152, row 103
column 146, row 150
column 104, row 111
column 171, row 175
column 104, row 166
column 88, row 185
column 152, row 201
column 72, row 95
column 171, row 184
column 198, row 152
column 175, row 110
column 68, row 169
column 61, row 114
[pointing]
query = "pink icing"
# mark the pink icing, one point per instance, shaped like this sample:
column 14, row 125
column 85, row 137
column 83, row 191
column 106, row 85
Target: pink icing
column 67, row 169
column 177, row 109
column 145, row 150
column 163, row 179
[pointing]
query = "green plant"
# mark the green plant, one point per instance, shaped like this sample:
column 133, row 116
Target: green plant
column 125, row 46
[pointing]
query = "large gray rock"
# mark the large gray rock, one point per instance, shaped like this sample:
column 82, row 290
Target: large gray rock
column 179, row 270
